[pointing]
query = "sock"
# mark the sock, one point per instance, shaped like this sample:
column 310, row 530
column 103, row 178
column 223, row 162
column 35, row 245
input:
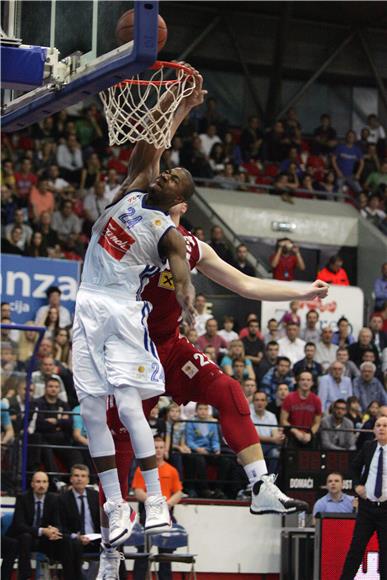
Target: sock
column 105, row 535
column 111, row 485
column 255, row 470
column 152, row 481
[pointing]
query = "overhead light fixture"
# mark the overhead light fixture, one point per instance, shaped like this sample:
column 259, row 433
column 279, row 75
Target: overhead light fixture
column 283, row 227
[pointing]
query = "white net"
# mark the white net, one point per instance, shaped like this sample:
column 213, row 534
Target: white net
column 143, row 109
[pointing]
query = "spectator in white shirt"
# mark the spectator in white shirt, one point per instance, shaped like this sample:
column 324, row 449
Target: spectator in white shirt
column 53, row 294
column 334, row 385
column 208, row 139
column 271, row 437
column 56, row 183
column 290, row 345
column 227, row 331
column 202, row 316
column 69, row 158
column 112, row 185
column 325, row 350
column 19, row 217
column 95, row 203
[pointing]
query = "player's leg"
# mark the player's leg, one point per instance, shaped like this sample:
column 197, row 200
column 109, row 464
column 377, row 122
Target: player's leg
column 129, row 405
column 90, row 382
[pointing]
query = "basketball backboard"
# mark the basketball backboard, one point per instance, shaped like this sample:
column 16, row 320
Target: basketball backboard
column 76, row 54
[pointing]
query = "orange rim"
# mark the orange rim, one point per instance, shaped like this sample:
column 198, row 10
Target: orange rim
column 157, row 65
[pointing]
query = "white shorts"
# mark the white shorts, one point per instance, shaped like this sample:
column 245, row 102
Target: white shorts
column 112, row 347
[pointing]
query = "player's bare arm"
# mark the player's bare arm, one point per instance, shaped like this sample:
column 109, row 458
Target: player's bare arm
column 173, row 247
column 253, row 288
column 144, row 163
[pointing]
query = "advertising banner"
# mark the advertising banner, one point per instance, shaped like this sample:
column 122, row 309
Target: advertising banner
column 24, row 282
column 345, row 301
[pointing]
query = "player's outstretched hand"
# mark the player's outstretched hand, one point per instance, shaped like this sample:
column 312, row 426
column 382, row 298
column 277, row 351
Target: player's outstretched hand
column 197, row 96
column 318, row 289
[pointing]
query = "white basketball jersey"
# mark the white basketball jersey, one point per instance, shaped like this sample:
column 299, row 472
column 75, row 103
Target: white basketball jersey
column 124, row 247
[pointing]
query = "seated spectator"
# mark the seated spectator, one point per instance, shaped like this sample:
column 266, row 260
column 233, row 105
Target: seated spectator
column 333, row 386
column 245, row 330
column 65, row 222
column 236, row 351
column 378, row 178
column 62, row 347
column 273, row 332
column 192, row 336
column 194, row 159
column 309, row 364
column 175, row 443
column 219, row 245
column 269, row 359
column 7, row 430
column 80, row 437
column 171, row 488
column 24, row 180
column 343, row 337
column 275, row 406
column 199, row 234
column 350, row 369
column 363, row 343
column 311, row 333
column 69, row 159
column 11, row 245
column 253, row 344
column 36, row 526
column 251, row 139
column 79, row 514
column 210, row 352
column 37, row 247
column 39, row 378
column 19, row 220
column 335, row 501
column 241, row 262
column 353, row 412
column 212, row 338
column 209, row 139
column 217, row 158
column 367, row 387
column 282, row 187
column 380, row 288
column 328, row 183
column 369, row 356
column 379, row 337
column 41, row 199
column 203, row 440
column 94, row 205
column 276, row 143
column 324, row 137
column 55, row 426
column 334, row 273
column 249, row 387
column 157, row 424
column 51, row 322
column 279, row 374
column 292, row 315
column 372, row 411
column 331, row 435
column 56, row 183
column 290, row 345
column 302, row 409
column 228, row 332
column 53, row 294
column 26, row 342
column 325, row 350
column 347, row 161
column 50, row 237
column 286, row 259
column 91, row 173
column 8, row 205
column 201, row 315
column 112, row 185
column 377, row 133
column 373, row 211
column 270, row 436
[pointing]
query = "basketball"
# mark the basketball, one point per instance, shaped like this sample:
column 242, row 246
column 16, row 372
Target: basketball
column 125, row 29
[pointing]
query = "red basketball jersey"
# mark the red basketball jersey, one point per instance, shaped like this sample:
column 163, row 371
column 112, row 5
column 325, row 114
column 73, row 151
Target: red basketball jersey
column 163, row 321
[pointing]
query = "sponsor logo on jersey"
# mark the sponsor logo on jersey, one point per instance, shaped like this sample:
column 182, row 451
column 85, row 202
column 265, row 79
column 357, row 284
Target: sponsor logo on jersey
column 141, row 369
column 157, row 223
column 166, row 280
column 189, row 369
column 115, row 240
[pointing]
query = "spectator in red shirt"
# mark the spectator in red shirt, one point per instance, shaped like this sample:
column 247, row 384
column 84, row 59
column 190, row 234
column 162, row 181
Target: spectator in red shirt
column 334, row 273
column 25, row 179
column 302, row 408
column 286, row 259
column 212, row 338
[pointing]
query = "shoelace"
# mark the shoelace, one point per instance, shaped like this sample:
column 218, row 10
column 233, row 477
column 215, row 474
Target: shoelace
column 155, row 506
column 114, row 515
column 269, row 480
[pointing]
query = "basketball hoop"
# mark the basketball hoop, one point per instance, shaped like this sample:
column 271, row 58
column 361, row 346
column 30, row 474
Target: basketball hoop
column 142, row 109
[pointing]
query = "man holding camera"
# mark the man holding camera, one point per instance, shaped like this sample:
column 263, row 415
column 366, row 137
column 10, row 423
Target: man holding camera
column 286, row 259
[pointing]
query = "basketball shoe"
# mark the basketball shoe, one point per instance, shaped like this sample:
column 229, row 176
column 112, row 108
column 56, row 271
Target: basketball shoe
column 109, row 563
column 158, row 518
column 267, row 498
column 121, row 521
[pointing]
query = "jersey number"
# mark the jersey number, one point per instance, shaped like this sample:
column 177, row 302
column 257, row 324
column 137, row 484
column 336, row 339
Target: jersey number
column 202, row 360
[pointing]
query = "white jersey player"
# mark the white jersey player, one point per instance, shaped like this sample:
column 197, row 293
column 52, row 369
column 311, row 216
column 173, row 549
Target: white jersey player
column 112, row 350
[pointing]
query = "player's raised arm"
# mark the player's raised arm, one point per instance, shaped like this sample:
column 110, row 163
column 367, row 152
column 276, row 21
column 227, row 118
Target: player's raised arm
column 254, row 288
column 144, row 163
column 173, row 247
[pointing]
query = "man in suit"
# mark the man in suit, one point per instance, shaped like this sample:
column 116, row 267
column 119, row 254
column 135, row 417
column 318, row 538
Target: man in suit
column 370, row 482
column 79, row 512
column 36, row 525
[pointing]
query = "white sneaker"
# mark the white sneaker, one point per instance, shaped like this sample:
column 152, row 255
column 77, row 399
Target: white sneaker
column 158, row 518
column 267, row 498
column 109, row 564
column 121, row 521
